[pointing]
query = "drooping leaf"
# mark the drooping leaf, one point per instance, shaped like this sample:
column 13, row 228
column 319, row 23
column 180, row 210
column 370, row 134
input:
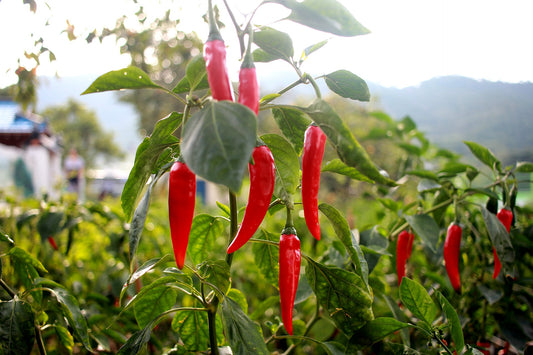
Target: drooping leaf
column 287, row 166
column 147, row 160
column 343, row 232
column 343, row 294
column 49, row 224
column 260, row 56
column 337, row 166
column 17, row 333
column 242, row 333
column 426, row 228
column 138, row 220
column 311, row 49
column 70, row 309
column 453, row 321
column 376, row 330
column 216, row 273
column 204, row 231
column 65, row 337
column 348, row 148
column 266, row 257
column 136, row 342
column 346, row 84
column 417, row 300
column 21, row 256
column 324, row 15
column 484, row 155
column 127, row 78
column 218, row 142
column 501, row 241
column 276, row 44
column 293, row 124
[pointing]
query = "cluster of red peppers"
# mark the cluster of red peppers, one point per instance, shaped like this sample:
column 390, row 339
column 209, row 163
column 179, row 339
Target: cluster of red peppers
column 182, row 181
column 451, row 251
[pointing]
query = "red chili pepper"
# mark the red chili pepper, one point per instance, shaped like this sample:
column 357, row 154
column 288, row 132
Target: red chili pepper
column 403, row 252
column 52, row 242
column 181, row 201
column 506, row 217
column 313, row 151
column 262, row 180
column 215, row 62
column 452, row 246
column 248, row 85
column 289, row 272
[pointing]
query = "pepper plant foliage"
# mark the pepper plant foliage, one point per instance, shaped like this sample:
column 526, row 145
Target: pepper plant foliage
column 346, row 301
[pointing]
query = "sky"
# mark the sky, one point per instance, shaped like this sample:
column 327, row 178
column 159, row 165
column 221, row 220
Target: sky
column 410, row 41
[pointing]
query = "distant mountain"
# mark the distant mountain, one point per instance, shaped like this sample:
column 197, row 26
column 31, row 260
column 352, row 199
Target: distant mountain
column 449, row 110
column 452, row 109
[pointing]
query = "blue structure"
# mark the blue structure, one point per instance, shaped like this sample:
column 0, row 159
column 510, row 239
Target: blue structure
column 15, row 127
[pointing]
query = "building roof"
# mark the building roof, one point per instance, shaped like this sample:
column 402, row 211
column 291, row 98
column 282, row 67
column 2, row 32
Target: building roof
column 16, row 127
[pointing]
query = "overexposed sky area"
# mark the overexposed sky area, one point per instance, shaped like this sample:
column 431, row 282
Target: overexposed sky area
column 411, row 40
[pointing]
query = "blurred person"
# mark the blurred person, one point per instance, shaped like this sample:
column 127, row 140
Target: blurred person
column 74, row 167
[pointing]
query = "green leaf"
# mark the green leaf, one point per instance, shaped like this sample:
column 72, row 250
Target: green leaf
column 127, row 78
column 21, row 256
column 292, row 123
column 424, row 174
column 138, row 220
column 313, row 48
column 524, row 167
column 324, row 15
column 17, row 333
column 158, row 300
column 136, row 342
column 260, row 56
column 333, row 348
column 6, row 239
column 417, row 300
column 145, row 268
column 70, row 309
column 337, row 166
column 276, row 44
column 147, row 160
column 426, row 228
column 195, row 77
column 343, row 294
column 216, row 272
column 266, row 257
column 193, row 329
column 218, row 142
column 376, row 330
column 242, row 333
column 484, row 155
column 204, row 231
column 453, row 321
column 348, row 148
column 179, row 280
column 343, row 232
column 400, row 315
column 501, row 241
column 287, row 166
column 238, row 297
column 65, row 337
column 346, row 84
column 49, row 224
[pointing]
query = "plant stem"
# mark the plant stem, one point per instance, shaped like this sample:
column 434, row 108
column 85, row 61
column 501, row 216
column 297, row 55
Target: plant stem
column 211, row 317
column 39, row 339
column 309, row 78
column 233, row 223
column 7, row 288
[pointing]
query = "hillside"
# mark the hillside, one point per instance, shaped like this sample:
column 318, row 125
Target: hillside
column 454, row 109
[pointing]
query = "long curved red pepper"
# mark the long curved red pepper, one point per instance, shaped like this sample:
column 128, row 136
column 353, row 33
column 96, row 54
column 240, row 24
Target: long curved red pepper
column 52, row 242
column 403, row 252
column 262, row 181
column 215, row 62
column 506, row 217
column 452, row 246
column 181, row 201
column 313, row 151
column 289, row 272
